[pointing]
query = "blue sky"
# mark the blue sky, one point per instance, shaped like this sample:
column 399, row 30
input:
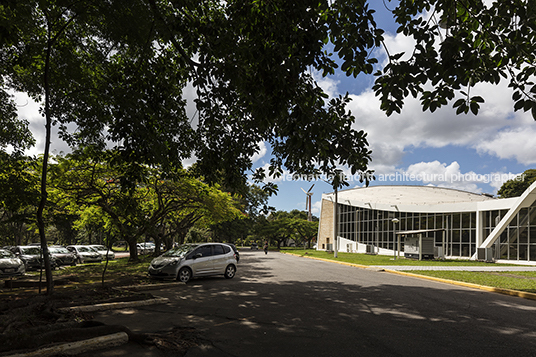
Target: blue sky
column 466, row 152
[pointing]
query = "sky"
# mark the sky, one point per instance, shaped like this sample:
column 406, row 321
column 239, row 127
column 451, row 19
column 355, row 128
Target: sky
column 465, row 152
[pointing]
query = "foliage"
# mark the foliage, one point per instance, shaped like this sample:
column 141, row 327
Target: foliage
column 94, row 190
column 481, row 44
column 254, row 203
column 305, row 231
column 18, row 193
column 198, row 235
column 279, row 227
column 14, row 131
column 516, row 186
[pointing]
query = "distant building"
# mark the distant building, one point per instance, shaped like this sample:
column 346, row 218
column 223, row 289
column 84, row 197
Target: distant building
column 460, row 224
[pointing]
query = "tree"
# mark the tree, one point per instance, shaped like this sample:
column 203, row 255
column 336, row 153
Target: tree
column 131, row 213
column 516, row 186
column 305, row 231
column 116, row 72
column 277, row 227
column 253, row 204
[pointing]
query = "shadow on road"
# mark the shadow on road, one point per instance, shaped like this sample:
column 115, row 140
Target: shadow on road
column 261, row 312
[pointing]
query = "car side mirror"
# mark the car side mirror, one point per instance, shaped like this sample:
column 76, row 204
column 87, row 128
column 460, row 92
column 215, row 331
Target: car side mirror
column 198, row 255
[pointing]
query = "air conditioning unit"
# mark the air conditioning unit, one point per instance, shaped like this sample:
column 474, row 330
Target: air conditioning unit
column 484, row 254
column 370, row 249
column 439, row 253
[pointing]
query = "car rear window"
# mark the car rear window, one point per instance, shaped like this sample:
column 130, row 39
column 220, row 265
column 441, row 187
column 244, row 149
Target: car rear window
column 218, row 250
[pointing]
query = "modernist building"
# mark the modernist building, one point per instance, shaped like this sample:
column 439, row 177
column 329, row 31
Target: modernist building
column 460, row 224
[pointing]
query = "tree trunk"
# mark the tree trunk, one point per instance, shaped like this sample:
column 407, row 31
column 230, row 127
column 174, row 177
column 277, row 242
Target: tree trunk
column 133, row 249
column 40, row 221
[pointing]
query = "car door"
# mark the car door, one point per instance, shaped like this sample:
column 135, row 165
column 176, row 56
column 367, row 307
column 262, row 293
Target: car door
column 220, row 258
column 201, row 260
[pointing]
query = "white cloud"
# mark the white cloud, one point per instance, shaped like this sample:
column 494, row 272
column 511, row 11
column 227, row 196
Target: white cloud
column 315, row 209
column 28, row 109
column 496, row 130
column 262, row 152
column 440, row 174
column 513, row 143
column 329, row 85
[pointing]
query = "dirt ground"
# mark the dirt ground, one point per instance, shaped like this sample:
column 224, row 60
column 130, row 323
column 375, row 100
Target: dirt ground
column 30, row 320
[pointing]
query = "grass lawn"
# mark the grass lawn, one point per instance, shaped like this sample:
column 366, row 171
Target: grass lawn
column 521, row 281
column 119, row 272
column 369, row 259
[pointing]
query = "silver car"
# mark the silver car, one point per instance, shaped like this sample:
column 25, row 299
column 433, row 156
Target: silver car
column 103, row 251
column 10, row 265
column 85, row 254
column 193, row 260
column 30, row 255
column 62, row 256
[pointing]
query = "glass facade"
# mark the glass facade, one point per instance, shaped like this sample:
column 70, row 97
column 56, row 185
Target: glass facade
column 376, row 227
column 518, row 240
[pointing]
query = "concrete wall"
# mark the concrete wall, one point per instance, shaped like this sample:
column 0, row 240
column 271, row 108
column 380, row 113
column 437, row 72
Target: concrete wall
column 325, row 228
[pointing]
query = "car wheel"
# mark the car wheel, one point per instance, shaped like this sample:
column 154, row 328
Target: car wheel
column 185, row 274
column 230, row 271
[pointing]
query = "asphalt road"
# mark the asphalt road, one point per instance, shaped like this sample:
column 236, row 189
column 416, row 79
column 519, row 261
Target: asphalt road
column 282, row 305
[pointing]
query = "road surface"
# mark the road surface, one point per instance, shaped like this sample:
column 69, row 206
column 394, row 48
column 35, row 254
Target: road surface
column 283, row 305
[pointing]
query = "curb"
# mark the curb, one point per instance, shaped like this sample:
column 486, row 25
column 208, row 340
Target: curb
column 521, row 294
column 75, row 348
column 149, row 286
column 114, row 305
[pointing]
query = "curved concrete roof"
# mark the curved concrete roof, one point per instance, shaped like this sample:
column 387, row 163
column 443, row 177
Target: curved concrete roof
column 409, row 195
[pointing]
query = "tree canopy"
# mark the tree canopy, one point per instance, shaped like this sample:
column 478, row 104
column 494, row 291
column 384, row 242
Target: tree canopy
column 515, row 187
column 118, row 75
column 158, row 204
column 119, row 72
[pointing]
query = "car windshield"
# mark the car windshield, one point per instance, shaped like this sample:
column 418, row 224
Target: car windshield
column 6, row 254
column 58, row 250
column 180, row 251
column 30, row 251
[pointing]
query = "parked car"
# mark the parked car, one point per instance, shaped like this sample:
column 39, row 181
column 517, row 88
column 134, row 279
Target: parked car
column 254, row 246
column 193, row 260
column 10, row 265
column 31, row 256
column 235, row 250
column 145, row 248
column 85, row 254
column 102, row 250
column 62, row 255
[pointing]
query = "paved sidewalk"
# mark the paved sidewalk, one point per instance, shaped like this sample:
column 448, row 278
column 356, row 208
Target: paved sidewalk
column 455, row 268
